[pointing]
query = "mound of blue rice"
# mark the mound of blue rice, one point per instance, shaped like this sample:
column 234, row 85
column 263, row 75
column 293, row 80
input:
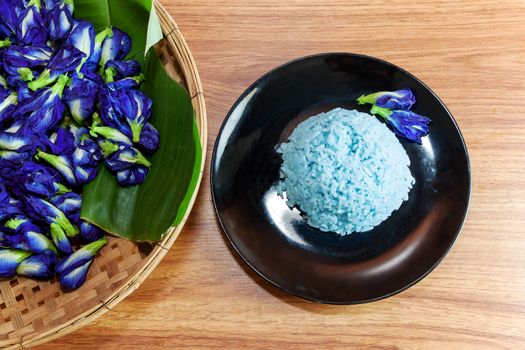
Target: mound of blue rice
column 345, row 170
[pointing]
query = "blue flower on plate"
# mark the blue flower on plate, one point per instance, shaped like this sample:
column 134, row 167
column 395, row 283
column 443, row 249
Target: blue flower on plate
column 400, row 99
column 406, row 124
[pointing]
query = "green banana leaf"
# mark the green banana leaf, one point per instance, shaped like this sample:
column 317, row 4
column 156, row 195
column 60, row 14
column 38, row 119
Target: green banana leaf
column 145, row 212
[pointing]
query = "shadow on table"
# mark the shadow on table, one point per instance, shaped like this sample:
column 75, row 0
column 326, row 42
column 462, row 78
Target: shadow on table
column 295, row 301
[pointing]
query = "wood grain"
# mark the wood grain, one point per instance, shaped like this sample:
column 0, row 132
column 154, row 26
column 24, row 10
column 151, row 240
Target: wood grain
column 472, row 54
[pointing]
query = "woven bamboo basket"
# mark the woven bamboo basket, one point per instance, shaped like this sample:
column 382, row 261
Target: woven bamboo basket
column 33, row 312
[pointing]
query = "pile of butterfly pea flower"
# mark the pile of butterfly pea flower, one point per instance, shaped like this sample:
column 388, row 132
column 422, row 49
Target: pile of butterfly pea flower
column 394, row 108
column 69, row 104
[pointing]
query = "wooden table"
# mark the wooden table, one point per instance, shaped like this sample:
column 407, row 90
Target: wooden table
column 472, row 54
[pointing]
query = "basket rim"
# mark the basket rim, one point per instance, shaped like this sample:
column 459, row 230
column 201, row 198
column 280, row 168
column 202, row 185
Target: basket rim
column 175, row 38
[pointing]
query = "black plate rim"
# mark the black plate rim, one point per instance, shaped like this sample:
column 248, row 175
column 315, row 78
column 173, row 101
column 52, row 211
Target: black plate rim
column 306, row 297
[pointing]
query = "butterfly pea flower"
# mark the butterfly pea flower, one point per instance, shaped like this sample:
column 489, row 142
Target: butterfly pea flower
column 8, row 23
column 10, row 259
column 14, row 142
column 90, row 232
column 93, row 60
column 4, row 93
column 7, row 106
column 33, row 178
column 111, row 113
column 61, row 163
column 75, row 219
column 5, row 240
column 85, row 71
column 126, row 110
column 125, row 83
column 72, row 271
column 76, row 160
column 109, row 103
column 15, row 149
column 33, row 239
column 68, row 203
column 9, row 207
column 19, row 146
column 109, row 133
column 11, row 157
column 80, row 256
column 7, row 173
column 116, row 70
column 130, row 166
column 79, row 133
column 20, row 78
column 116, row 46
column 62, row 145
column 406, row 124
column 15, row 223
column 14, row 241
column 63, row 140
column 46, row 109
column 60, row 21
column 136, row 108
column 107, row 147
column 81, row 97
column 39, row 243
column 400, row 99
column 43, row 210
column 40, row 266
column 82, row 37
column 31, row 27
column 109, row 107
column 60, row 239
column 65, row 4
column 24, row 94
column 76, row 277
column 60, row 226
column 149, row 138
column 132, row 177
column 86, row 155
column 68, row 58
column 20, row 61
column 29, row 236
column 13, row 238
column 17, row 56
column 86, row 158
column 126, row 157
column 14, row 127
column 40, row 180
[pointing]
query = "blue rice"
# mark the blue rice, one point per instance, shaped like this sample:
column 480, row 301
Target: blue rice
column 345, row 170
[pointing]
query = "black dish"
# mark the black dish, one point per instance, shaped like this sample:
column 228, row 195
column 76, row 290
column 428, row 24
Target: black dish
column 278, row 243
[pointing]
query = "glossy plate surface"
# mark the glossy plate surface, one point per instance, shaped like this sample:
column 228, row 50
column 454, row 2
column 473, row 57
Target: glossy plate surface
column 278, row 243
